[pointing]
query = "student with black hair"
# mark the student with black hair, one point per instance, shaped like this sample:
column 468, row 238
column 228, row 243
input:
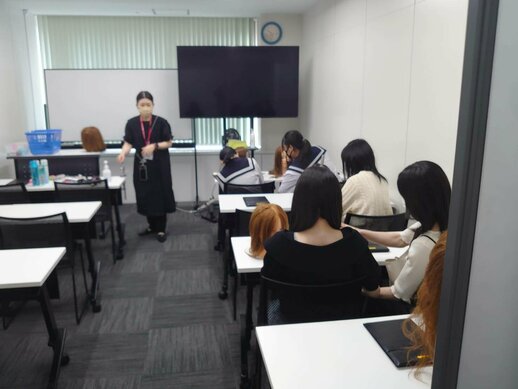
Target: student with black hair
column 426, row 191
column 298, row 154
column 151, row 137
column 236, row 170
column 365, row 191
column 316, row 250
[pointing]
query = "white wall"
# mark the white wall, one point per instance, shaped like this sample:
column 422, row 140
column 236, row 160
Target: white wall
column 388, row 71
column 11, row 98
column 490, row 339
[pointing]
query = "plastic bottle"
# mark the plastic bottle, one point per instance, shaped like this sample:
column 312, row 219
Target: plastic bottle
column 252, row 138
column 41, row 173
column 106, row 173
column 45, row 165
column 35, row 175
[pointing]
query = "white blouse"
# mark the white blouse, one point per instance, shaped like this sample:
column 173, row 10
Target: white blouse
column 407, row 272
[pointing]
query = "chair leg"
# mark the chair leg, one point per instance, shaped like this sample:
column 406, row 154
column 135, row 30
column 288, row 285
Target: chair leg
column 114, row 246
column 79, row 314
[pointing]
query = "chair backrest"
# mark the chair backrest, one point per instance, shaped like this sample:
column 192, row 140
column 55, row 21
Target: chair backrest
column 45, row 231
column 95, row 190
column 13, row 193
column 378, row 223
column 283, row 303
column 267, row 187
column 242, row 223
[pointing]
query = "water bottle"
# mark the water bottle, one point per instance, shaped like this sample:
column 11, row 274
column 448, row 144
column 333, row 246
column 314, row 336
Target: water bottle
column 35, row 175
column 252, row 138
column 107, row 173
column 45, row 165
column 41, row 173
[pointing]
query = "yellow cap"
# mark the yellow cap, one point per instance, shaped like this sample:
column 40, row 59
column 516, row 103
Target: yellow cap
column 237, row 144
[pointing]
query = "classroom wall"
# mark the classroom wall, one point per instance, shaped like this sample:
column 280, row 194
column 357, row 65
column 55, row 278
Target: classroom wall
column 11, row 100
column 490, row 338
column 388, row 71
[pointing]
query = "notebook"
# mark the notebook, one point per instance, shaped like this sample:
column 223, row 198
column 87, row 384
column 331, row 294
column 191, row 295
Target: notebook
column 377, row 248
column 253, row 201
column 389, row 336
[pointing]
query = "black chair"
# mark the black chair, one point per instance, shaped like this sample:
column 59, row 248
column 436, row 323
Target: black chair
column 378, row 223
column 95, row 190
column 13, row 193
column 227, row 222
column 47, row 231
column 267, row 187
column 288, row 303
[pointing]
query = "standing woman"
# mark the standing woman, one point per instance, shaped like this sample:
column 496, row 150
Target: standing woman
column 151, row 137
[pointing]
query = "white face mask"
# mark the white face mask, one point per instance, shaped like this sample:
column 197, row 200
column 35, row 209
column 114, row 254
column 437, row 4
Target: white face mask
column 145, row 111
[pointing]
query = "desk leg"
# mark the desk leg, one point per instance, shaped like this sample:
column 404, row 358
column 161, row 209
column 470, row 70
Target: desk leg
column 246, row 333
column 223, row 293
column 94, row 269
column 57, row 338
column 120, row 230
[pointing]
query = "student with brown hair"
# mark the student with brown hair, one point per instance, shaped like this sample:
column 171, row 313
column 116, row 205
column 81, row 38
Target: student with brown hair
column 427, row 308
column 92, row 139
column 266, row 220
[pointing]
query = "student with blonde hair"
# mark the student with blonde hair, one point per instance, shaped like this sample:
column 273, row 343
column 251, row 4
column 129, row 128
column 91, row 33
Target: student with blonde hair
column 266, row 220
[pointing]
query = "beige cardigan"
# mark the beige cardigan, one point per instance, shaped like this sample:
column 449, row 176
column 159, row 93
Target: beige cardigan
column 365, row 194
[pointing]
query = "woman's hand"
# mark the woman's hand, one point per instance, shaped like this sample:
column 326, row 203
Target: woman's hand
column 147, row 151
column 121, row 157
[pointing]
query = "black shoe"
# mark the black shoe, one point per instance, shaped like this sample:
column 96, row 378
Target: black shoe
column 147, row 231
column 161, row 237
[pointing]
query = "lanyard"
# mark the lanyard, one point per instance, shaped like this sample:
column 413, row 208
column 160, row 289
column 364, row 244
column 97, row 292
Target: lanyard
column 146, row 141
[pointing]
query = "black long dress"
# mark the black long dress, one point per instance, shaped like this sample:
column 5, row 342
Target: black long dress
column 155, row 197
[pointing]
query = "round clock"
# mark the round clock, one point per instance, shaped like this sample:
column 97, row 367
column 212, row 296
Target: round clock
column 271, row 33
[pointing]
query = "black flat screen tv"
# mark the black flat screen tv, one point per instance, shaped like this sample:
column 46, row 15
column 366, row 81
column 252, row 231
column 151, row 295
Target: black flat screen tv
column 216, row 81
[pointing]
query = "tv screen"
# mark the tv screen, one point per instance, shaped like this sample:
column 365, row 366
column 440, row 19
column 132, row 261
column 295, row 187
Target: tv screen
column 218, row 81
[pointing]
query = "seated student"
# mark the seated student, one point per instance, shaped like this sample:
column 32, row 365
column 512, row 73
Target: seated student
column 238, row 171
column 426, row 191
column 266, row 220
column 427, row 308
column 92, row 139
column 298, row 155
column 316, row 250
column 365, row 191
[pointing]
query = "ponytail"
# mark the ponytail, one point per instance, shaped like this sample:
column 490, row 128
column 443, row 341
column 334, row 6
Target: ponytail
column 295, row 139
column 226, row 154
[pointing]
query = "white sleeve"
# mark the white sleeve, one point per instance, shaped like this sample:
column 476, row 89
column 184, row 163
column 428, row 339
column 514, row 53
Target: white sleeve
column 412, row 274
column 258, row 171
column 289, row 181
column 329, row 163
column 408, row 235
column 348, row 196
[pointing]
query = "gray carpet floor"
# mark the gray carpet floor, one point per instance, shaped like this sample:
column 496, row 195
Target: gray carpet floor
column 161, row 325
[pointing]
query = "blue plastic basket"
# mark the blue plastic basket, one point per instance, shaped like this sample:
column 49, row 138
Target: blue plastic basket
column 44, row 141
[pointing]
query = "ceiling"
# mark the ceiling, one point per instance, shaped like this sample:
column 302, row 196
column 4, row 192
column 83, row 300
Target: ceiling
column 164, row 7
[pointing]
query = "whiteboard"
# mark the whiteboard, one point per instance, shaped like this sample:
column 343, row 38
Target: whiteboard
column 106, row 99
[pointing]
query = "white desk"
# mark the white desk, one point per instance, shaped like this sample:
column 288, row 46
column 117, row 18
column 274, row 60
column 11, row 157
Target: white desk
column 22, row 275
column 5, row 181
column 77, row 212
column 267, row 177
column 247, row 264
column 228, row 203
column 114, row 183
column 331, row 355
column 28, row 268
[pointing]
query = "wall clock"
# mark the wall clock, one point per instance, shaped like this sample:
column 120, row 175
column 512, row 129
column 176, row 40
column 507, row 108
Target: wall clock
column 271, row 33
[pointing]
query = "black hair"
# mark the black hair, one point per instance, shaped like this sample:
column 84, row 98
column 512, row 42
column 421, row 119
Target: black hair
column 426, row 191
column 358, row 156
column 144, row 95
column 317, row 194
column 226, row 154
column 295, row 139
